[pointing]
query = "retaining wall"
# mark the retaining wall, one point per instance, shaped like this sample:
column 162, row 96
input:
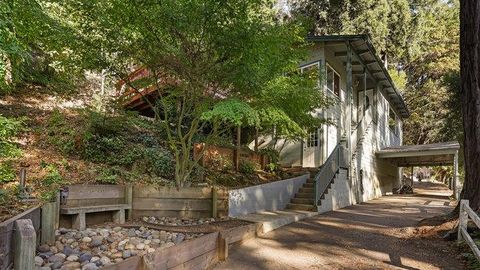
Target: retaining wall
column 267, row 197
column 192, row 202
column 6, row 235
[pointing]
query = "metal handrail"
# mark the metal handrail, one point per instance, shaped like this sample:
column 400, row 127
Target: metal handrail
column 338, row 159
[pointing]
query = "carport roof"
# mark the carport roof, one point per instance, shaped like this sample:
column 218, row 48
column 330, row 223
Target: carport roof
column 435, row 154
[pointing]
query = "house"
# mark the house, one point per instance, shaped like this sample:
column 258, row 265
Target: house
column 368, row 116
column 360, row 157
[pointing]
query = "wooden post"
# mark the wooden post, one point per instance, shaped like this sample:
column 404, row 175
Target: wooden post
column 57, row 211
column 256, row 140
column 222, row 248
column 237, row 152
column 129, row 199
column 455, row 188
column 214, row 202
column 463, row 219
column 25, row 241
column 48, row 223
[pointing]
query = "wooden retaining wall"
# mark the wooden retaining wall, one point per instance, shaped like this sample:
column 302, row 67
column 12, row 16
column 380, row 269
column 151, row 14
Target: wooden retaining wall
column 196, row 254
column 86, row 195
column 192, row 202
column 6, row 235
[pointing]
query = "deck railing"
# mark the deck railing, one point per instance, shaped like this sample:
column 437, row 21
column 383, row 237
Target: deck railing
column 465, row 213
column 338, row 159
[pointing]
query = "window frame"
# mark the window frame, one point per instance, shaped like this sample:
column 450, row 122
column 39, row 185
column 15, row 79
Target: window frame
column 332, row 91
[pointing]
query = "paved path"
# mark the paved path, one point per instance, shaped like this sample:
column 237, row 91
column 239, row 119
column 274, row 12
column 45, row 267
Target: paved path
column 371, row 235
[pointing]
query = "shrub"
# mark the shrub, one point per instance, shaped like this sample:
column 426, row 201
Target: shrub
column 7, row 173
column 247, row 167
column 271, row 167
column 52, row 181
column 9, row 128
column 272, row 154
column 108, row 176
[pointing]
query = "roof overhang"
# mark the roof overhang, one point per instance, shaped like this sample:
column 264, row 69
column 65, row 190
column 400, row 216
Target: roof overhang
column 436, row 154
column 365, row 55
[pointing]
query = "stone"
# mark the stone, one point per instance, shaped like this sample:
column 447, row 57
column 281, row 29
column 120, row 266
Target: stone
column 117, row 229
column 94, row 259
column 117, row 260
column 117, row 255
column 54, row 250
column 43, row 248
column 60, row 246
column 150, row 250
column 86, row 239
column 147, row 242
column 68, row 251
column 129, row 246
column 70, row 266
column 70, row 240
column 72, row 258
column 45, row 255
column 131, row 233
column 126, row 254
column 85, row 257
column 134, row 241
column 90, row 266
column 96, row 241
column 56, row 258
column 140, row 246
column 63, row 230
column 38, row 261
column 45, row 268
column 61, row 255
column 180, row 237
column 105, row 260
column 56, row 265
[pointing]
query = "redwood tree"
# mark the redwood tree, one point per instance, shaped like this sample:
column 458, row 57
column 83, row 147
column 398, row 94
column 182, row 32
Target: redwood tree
column 470, row 90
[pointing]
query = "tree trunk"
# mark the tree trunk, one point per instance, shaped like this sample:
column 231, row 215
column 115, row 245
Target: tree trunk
column 470, row 91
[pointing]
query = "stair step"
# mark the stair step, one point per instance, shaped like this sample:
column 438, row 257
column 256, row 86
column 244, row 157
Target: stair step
column 308, row 185
column 302, row 201
column 306, row 190
column 304, row 207
column 301, row 195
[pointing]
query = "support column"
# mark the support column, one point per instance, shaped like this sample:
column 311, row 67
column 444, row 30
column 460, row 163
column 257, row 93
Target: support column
column 348, row 100
column 25, row 240
column 455, row 187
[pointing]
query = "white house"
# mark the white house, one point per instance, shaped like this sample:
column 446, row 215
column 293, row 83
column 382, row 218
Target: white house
column 368, row 114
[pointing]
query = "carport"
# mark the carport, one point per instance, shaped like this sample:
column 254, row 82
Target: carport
column 436, row 154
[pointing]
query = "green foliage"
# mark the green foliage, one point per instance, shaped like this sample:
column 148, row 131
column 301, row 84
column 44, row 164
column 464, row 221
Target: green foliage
column 7, row 173
column 233, row 112
column 51, row 182
column 247, row 167
column 61, row 134
column 235, row 50
column 108, row 176
column 272, row 154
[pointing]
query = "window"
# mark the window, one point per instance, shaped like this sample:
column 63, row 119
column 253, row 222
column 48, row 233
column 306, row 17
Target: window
column 312, row 140
column 392, row 121
column 333, row 81
column 311, row 70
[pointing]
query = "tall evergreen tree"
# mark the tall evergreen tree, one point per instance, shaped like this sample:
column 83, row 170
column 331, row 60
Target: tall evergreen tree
column 470, row 85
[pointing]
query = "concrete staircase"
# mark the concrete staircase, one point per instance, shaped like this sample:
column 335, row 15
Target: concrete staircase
column 304, row 199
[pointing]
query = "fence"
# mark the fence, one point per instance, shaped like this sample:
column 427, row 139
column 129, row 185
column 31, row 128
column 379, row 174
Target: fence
column 7, row 235
column 465, row 213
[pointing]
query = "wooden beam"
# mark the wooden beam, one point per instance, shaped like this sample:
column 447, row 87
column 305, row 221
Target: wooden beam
column 362, row 52
column 354, row 63
column 340, row 53
column 358, row 72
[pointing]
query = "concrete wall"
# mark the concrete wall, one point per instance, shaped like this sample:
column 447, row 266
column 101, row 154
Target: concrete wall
column 269, row 197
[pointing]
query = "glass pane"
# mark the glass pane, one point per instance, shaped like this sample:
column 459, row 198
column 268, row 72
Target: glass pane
column 330, row 78
column 336, row 84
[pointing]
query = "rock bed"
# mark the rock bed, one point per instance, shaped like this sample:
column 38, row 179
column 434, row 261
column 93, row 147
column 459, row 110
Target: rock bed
column 173, row 221
column 95, row 247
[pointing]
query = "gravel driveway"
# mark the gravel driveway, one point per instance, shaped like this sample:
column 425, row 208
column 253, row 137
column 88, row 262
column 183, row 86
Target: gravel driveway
column 372, row 235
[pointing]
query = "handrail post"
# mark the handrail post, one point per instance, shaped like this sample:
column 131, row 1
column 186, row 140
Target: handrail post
column 463, row 219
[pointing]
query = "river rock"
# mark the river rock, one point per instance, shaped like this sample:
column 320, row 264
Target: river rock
column 72, row 258
column 96, row 241
column 43, row 248
column 70, row 266
column 86, row 239
column 85, row 257
column 56, row 258
column 126, row 254
column 38, row 261
column 105, row 260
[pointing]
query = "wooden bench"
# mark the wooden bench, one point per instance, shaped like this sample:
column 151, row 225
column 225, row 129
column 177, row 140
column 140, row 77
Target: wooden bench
column 79, row 217
column 79, row 200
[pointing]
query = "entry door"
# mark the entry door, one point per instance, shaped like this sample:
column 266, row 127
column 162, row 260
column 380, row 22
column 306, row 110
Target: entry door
column 311, row 150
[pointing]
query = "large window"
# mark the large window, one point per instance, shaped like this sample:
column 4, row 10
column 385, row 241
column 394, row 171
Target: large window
column 392, row 121
column 313, row 140
column 333, row 81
